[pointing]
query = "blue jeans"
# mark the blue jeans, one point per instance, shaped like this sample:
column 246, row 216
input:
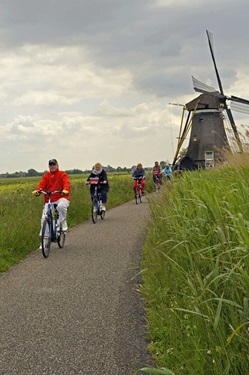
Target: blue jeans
column 103, row 192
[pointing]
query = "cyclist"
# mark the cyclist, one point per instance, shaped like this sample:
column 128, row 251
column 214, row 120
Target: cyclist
column 157, row 172
column 167, row 172
column 53, row 180
column 99, row 172
column 139, row 172
column 177, row 168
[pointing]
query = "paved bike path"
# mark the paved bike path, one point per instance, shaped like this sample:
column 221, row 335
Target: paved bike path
column 79, row 311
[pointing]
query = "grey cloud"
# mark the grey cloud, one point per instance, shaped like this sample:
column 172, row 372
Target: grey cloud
column 106, row 110
column 130, row 33
column 129, row 53
column 127, row 131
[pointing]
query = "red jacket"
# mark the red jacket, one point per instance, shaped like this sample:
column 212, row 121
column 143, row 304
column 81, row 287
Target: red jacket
column 57, row 180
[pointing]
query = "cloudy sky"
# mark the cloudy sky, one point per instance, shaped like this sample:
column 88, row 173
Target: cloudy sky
column 91, row 80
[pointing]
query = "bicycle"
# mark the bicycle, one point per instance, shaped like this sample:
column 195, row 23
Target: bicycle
column 138, row 189
column 167, row 176
column 157, row 182
column 97, row 207
column 51, row 228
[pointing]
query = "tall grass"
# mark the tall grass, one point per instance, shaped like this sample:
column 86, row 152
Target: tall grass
column 195, row 274
column 20, row 212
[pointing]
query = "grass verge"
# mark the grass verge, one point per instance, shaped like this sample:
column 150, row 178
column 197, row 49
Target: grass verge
column 195, row 274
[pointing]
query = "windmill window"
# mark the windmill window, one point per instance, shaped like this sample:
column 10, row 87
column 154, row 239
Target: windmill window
column 195, row 138
column 201, row 118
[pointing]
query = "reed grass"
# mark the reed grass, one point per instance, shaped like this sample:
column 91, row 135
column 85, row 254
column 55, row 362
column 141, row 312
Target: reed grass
column 195, row 274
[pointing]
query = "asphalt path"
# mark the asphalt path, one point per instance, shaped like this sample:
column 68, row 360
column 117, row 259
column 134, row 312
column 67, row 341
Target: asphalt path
column 78, row 311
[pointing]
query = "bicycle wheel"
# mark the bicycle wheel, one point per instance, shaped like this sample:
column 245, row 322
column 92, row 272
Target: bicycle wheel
column 61, row 238
column 94, row 210
column 46, row 238
column 140, row 195
column 136, row 196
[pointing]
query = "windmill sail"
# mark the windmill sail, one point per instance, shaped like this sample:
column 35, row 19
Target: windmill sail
column 240, row 107
column 224, row 98
column 210, row 42
column 202, row 87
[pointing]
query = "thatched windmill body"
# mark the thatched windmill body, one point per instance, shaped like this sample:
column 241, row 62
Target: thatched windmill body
column 205, row 118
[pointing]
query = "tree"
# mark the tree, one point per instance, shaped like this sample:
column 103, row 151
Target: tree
column 32, row 172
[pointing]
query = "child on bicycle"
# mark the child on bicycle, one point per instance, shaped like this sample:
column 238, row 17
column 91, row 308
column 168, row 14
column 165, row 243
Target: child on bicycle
column 99, row 172
column 139, row 173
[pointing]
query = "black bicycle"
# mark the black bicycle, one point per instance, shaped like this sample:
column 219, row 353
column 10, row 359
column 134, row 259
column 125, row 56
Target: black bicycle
column 51, row 228
column 97, row 206
column 138, row 189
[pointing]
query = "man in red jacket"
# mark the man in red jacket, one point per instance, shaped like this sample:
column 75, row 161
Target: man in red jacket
column 51, row 181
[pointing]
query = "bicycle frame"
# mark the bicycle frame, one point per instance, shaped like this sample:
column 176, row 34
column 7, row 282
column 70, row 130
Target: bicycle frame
column 52, row 216
column 96, row 200
column 51, row 231
column 97, row 194
column 157, row 181
column 167, row 176
column 138, row 191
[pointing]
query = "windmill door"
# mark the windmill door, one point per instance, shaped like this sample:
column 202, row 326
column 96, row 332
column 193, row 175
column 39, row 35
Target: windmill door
column 209, row 159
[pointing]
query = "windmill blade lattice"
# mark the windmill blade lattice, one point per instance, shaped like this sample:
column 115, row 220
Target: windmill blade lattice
column 240, row 107
column 203, row 88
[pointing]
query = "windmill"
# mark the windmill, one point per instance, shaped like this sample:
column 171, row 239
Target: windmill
column 206, row 115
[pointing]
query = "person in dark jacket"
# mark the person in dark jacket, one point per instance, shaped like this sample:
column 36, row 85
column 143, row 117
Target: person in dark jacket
column 99, row 172
column 139, row 172
column 177, row 169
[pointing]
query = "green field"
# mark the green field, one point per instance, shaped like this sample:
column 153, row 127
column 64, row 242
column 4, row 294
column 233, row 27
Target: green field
column 20, row 212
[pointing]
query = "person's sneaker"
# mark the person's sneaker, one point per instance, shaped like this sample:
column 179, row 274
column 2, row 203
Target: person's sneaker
column 64, row 226
column 45, row 243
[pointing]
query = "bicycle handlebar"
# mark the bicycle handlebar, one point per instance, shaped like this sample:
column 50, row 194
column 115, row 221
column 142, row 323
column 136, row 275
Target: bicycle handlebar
column 49, row 192
column 98, row 183
column 139, row 178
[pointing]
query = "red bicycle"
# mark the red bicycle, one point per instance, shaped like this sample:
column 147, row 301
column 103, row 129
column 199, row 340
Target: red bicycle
column 138, row 189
